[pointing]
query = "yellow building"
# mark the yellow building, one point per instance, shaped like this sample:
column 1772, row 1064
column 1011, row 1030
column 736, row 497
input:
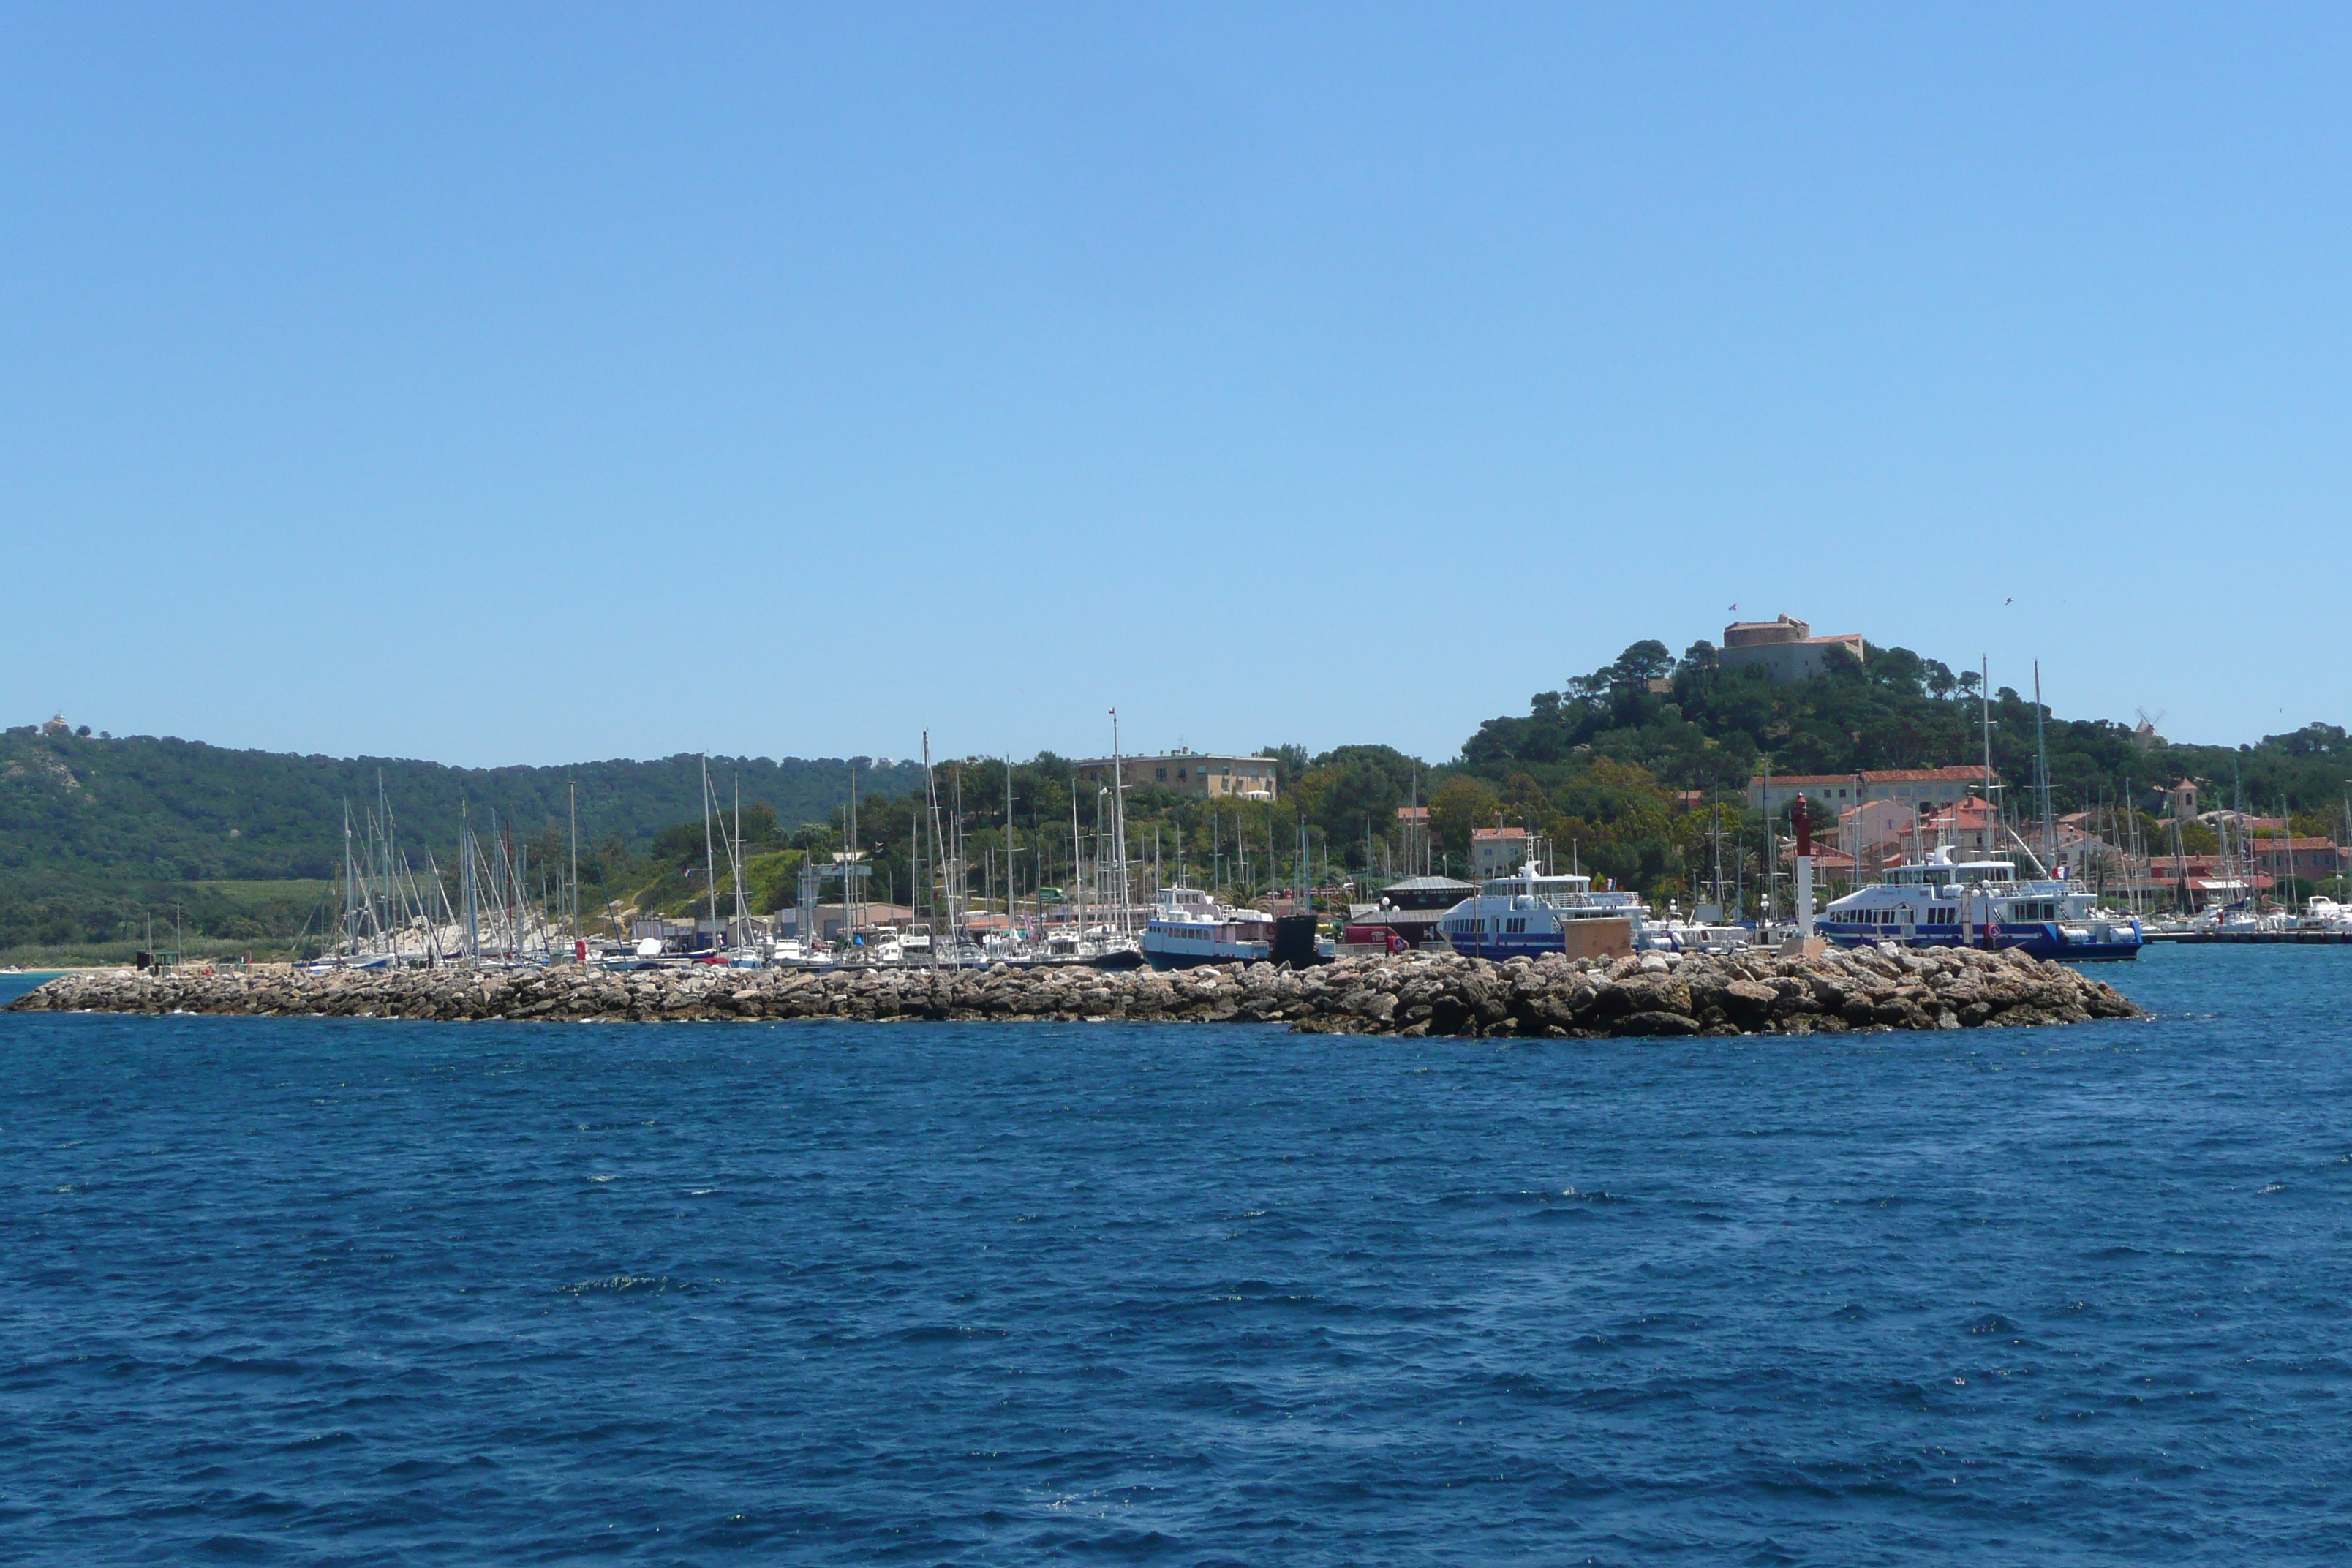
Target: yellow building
column 1202, row 774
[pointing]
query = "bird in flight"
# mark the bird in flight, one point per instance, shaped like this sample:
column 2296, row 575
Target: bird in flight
column 2011, row 600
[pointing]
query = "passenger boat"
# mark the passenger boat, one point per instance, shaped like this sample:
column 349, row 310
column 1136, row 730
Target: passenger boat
column 1530, row 913
column 1943, row 902
column 1189, row 928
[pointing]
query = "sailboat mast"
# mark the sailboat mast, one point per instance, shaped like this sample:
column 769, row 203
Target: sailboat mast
column 1119, row 821
column 466, row 879
column 709, row 858
column 351, row 891
column 1077, row 867
column 938, row 847
column 2041, row 767
column 735, row 866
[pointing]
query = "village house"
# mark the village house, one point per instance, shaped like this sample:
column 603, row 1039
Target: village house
column 1499, row 851
column 1202, row 776
column 1920, row 789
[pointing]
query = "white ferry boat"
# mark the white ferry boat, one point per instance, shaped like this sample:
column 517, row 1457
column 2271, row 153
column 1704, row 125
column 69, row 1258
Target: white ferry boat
column 1511, row 917
column 1943, row 902
column 1189, row 928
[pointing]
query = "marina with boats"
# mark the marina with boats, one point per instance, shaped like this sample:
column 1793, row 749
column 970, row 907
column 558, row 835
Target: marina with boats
column 1924, row 858
column 499, row 908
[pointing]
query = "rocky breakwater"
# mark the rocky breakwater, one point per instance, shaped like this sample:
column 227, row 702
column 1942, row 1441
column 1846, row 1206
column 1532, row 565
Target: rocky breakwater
column 1557, row 998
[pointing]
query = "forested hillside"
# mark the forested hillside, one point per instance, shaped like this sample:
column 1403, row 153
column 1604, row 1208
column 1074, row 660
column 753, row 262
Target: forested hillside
column 1713, row 728
column 1598, row 764
column 96, row 831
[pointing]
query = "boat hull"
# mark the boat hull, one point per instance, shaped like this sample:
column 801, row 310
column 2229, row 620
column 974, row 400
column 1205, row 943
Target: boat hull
column 1519, row 944
column 2043, row 942
column 1163, row 959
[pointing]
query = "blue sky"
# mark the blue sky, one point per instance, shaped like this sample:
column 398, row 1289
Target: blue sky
column 511, row 385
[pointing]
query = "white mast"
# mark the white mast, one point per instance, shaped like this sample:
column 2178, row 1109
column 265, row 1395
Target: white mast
column 1984, row 694
column 465, row 876
column 2041, row 766
column 1077, row 867
column 742, row 917
column 851, row 919
column 943, row 859
column 1118, row 820
column 709, row 854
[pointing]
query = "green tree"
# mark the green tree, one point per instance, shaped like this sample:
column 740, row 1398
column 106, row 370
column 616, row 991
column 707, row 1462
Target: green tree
column 1461, row 804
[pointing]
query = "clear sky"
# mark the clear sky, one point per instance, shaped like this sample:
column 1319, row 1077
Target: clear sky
column 503, row 385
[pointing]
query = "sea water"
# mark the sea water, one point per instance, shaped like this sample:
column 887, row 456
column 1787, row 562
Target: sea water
column 298, row 1290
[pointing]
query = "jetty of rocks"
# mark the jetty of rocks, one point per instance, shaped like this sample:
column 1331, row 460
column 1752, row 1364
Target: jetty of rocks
column 1410, row 995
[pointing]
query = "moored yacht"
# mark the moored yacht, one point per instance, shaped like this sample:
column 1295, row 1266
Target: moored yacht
column 1530, row 913
column 1943, row 902
column 1189, row 927
column 2327, row 915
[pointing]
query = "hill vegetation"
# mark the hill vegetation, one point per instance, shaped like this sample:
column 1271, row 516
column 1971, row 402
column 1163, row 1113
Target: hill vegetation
column 98, row 833
column 1629, row 769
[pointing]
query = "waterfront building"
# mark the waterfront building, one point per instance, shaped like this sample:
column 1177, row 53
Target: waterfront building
column 1499, row 851
column 1873, row 823
column 1896, row 826
column 1204, row 775
column 2312, row 859
column 1785, row 648
column 1921, row 789
column 2212, row 878
column 832, row 920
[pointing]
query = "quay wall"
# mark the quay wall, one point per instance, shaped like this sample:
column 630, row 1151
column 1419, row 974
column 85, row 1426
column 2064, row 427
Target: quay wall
column 1409, row 994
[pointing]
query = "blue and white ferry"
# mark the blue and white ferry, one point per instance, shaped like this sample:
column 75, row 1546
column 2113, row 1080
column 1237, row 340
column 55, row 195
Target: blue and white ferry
column 1529, row 914
column 1943, row 902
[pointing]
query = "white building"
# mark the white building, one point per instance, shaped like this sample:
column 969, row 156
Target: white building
column 1919, row 788
column 1499, row 851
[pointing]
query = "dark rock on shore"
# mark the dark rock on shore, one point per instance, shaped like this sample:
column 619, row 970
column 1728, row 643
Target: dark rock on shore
column 1551, row 997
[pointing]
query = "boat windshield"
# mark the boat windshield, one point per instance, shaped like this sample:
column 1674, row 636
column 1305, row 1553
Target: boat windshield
column 1939, row 873
column 1539, row 887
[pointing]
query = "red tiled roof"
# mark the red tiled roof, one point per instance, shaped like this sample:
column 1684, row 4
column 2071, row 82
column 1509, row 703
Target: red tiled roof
column 1963, row 773
column 1920, row 775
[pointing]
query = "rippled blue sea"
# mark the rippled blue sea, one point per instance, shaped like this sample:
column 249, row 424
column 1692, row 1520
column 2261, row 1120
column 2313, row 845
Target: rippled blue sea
column 343, row 1291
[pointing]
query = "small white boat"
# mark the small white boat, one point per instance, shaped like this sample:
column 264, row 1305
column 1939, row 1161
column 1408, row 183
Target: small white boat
column 2327, row 915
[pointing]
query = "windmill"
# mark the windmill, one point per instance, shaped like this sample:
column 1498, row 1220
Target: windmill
column 2144, row 735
